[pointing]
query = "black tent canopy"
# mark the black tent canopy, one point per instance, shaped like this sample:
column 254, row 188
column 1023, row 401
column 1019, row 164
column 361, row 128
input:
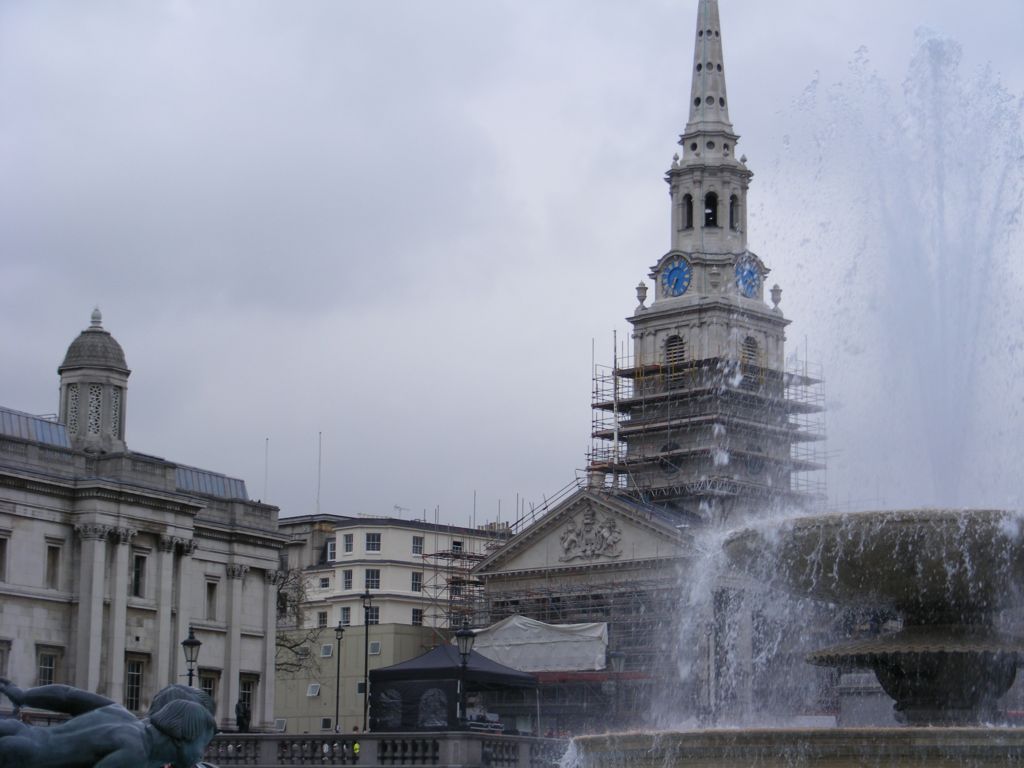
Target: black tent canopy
column 422, row 693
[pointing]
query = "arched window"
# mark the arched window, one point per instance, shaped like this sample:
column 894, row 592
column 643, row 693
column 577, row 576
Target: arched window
column 750, row 363
column 734, row 213
column 687, row 211
column 711, row 210
column 675, row 359
column 675, row 351
column 750, row 353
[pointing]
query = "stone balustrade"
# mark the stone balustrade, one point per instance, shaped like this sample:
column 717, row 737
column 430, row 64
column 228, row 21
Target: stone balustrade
column 452, row 749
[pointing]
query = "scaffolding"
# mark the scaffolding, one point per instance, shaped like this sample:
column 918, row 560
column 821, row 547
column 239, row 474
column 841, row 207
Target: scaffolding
column 450, row 593
column 708, row 429
column 639, row 612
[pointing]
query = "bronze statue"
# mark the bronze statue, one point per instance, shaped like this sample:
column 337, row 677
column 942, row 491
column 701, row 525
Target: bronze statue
column 103, row 734
column 242, row 716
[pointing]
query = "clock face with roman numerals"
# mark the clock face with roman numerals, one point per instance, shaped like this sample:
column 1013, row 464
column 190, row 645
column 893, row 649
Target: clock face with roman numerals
column 748, row 277
column 676, row 277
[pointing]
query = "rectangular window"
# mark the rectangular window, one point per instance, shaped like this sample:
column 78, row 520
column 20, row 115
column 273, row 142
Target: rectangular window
column 346, row 616
column 456, row 547
column 313, row 689
column 326, row 724
column 208, row 683
column 211, row 600
column 52, row 566
column 332, row 550
column 373, row 615
column 417, row 545
column 5, row 658
column 325, row 582
column 373, row 542
column 455, row 590
column 417, row 617
column 346, row 579
column 417, row 581
column 375, row 647
column 133, row 675
column 372, row 578
column 3, row 558
column 138, row 577
column 326, row 651
column 321, row 619
column 349, row 540
column 247, row 690
column 48, row 661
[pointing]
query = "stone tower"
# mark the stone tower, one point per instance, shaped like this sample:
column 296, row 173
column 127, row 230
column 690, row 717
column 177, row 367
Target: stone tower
column 93, row 389
column 702, row 417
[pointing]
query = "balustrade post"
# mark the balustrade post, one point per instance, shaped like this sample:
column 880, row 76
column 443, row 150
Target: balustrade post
column 267, row 754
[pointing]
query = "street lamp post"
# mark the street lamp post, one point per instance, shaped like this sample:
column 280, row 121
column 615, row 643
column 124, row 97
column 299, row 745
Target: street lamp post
column 190, row 645
column 367, row 600
column 465, row 638
column 339, row 631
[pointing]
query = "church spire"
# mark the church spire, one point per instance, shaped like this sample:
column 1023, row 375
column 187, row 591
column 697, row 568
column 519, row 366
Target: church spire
column 709, row 104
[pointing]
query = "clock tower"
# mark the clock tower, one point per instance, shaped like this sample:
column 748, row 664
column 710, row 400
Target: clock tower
column 702, row 417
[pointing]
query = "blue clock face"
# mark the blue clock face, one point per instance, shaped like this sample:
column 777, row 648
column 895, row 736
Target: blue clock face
column 748, row 277
column 676, row 277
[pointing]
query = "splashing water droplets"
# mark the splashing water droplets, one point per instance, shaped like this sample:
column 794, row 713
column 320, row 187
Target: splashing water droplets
column 915, row 217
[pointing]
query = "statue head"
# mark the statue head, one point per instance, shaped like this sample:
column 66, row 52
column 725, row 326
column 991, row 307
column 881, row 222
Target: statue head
column 178, row 692
column 185, row 715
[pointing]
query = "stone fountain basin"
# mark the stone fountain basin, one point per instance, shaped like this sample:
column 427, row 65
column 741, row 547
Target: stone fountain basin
column 919, row 641
column 797, row 748
column 930, row 564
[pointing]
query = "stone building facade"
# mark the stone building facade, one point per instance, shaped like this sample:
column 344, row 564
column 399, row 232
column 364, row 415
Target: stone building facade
column 418, row 577
column 109, row 556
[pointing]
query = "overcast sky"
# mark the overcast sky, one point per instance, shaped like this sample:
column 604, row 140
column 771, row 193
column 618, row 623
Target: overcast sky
column 405, row 224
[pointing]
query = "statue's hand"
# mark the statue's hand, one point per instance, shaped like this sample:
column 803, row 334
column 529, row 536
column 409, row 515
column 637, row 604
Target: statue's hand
column 12, row 692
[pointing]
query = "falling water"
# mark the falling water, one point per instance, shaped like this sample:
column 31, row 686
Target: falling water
column 907, row 245
column 910, row 202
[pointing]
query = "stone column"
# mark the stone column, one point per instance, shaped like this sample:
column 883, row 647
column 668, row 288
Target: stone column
column 118, row 613
column 265, row 715
column 184, row 608
column 92, row 565
column 236, row 578
column 163, row 654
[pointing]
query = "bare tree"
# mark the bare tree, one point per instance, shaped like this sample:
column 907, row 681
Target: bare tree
column 295, row 641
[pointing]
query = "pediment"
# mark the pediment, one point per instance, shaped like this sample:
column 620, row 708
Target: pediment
column 589, row 529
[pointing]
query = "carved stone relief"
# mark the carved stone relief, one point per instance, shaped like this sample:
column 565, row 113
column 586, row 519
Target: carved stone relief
column 92, row 531
column 237, row 571
column 590, row 538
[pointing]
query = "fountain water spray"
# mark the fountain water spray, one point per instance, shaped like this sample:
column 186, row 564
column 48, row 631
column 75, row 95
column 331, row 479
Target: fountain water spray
column 911, row 237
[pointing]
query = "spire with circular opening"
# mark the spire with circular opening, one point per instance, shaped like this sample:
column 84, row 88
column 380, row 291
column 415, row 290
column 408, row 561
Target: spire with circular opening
column 709, row 104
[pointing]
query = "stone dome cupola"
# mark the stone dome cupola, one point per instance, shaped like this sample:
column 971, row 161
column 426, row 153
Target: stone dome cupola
column 94, row 348
column 93, row 388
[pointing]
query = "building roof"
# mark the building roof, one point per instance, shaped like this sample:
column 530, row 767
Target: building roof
column 94, row 348
column 445, row 663
column 35, row 428
column 206, row 483
column 347, row 521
